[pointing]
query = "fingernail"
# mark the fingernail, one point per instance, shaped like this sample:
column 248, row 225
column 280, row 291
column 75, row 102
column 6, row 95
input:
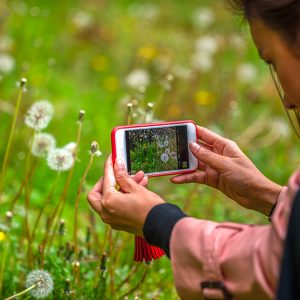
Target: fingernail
column 194, row 146
column 120, row 164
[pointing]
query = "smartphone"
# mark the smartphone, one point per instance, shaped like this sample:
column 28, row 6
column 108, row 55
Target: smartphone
column 157, row 149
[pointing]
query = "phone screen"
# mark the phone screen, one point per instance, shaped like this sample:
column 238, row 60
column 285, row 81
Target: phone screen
column 155, row 150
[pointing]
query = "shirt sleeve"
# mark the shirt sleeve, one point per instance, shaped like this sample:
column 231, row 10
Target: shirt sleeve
column 213, row 260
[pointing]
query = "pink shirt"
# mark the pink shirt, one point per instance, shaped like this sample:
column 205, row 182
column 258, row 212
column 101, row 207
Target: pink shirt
column 245, row 258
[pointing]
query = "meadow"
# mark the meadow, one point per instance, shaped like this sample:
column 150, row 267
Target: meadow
column 72, row 70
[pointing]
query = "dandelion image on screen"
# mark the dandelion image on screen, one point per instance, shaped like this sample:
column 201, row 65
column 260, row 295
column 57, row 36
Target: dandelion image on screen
column 150, row 150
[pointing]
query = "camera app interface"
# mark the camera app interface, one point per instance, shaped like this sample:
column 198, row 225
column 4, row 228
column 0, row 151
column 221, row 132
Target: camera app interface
column 155, row 150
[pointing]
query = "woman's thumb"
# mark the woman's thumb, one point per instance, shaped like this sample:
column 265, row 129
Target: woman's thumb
column 208, row 157
column 126, row 183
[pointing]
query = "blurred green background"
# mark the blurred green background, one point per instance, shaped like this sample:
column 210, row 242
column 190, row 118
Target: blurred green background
column 191, row 59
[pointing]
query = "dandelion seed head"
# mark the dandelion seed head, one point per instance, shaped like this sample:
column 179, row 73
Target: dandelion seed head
column 82, row 20
column 202, row 62
column 43, row 281
column 204, row 17
column 39, row 115
column 246, row 73
column 207, row 44
column 164, row 157
column 42, row 144
column 166, row 143
column 7, row 63
column 137, row 79
column 60, row 160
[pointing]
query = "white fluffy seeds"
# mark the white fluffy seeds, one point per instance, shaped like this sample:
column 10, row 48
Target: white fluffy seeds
column 42, row 144
column 60, row 160
column 39, row 115
column 42, row 280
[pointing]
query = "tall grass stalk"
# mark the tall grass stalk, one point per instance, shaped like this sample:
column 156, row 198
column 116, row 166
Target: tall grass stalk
column 137, row 286
column 12, row 131
column 82, row 180
column 18, row 194
column 45, row 205
column 27, row 202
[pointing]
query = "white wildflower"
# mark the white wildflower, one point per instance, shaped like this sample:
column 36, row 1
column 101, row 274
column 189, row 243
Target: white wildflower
column 60, row 160
column 138, row 78
column 207, row 44
column 246, row 73
column 43, row 281
column 164, row 157
column 204, row 17
column 7, row 63
column 39, row 115
column 42, row 144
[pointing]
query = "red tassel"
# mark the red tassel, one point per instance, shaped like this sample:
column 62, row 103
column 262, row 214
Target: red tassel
column 146, row 252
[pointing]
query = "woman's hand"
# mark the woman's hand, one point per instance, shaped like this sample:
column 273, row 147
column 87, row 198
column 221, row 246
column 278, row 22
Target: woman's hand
column 222, row 165
column 125, row 209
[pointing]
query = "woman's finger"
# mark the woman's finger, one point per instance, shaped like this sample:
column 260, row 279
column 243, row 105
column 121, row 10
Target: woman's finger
column 95, row 196
column 198, row 177
column 209, row 137
column 109, row 180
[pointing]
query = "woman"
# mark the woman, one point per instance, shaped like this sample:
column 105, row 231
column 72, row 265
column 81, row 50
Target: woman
column 220, row 260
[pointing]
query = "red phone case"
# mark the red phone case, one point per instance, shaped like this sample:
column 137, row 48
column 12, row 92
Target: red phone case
column 113, row 142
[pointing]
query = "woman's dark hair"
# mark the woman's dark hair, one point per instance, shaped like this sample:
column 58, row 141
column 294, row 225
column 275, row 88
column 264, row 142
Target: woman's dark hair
column 280, row 15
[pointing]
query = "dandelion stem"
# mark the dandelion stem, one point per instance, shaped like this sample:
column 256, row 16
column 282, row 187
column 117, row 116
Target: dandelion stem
column 22, row 293
column 27, row 203
column 12, row 131
column 45, row 205
column 62, row 200
column 77, row 204
column 18, row 194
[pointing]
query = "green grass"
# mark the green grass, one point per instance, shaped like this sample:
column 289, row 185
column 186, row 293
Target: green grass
column 85, row 67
